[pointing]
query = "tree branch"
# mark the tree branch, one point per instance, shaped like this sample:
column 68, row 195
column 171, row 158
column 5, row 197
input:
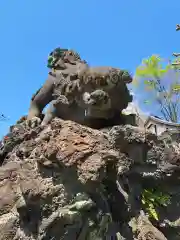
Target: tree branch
column 175, row 63
column 176, row 54
column 177, row 27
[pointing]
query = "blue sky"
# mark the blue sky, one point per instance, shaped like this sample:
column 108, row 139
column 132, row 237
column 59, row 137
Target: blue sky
column 117, row 32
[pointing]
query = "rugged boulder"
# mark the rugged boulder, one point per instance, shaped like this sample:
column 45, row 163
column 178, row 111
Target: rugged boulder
column 68, row 181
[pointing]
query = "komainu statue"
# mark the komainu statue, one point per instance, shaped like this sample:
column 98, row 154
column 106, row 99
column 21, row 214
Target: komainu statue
column 81, row 93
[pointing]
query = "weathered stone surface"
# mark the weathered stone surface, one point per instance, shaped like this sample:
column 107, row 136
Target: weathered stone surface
column 69, row 181
column 69, row 83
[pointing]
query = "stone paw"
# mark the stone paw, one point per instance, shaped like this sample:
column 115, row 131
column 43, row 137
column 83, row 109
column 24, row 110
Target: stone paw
column 34, row 122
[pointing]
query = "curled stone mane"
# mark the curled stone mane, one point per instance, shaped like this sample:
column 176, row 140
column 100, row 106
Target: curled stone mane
column 73, row 54
column 104, row 77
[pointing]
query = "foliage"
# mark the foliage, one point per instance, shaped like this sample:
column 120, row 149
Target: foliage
column 50, row 61
column 161, row 82
column 53, row 56
column 151, row 199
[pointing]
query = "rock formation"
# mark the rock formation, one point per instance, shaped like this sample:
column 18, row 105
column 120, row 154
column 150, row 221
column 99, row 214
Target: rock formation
column 65, row 180
column 68, row 181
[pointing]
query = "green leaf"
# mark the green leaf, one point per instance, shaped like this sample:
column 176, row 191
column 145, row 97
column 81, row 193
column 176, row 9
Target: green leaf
column 151, row 199
column 176, row 87
column 143, row 201
column 153, row 212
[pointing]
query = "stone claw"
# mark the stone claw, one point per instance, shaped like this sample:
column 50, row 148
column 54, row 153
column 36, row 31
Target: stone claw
column 34, row 122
